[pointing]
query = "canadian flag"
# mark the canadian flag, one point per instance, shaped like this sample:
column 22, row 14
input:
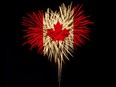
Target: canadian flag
column 57, row 34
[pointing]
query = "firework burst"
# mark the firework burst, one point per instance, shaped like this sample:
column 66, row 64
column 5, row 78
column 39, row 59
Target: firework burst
column 56, row 34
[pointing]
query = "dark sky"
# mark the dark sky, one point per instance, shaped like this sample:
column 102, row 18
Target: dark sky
column 24, row 68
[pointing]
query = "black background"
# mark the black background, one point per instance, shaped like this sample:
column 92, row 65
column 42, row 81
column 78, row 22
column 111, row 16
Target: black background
column 24, row 68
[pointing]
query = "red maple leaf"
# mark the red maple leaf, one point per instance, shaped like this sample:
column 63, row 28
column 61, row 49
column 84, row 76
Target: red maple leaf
column 58, row 33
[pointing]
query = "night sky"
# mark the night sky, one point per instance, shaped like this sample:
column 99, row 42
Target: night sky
column 24, row 68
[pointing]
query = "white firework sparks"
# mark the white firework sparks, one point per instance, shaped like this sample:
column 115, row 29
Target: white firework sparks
column 51, row 48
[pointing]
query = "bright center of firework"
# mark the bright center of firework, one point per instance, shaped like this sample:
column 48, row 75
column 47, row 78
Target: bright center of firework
column 58, row 33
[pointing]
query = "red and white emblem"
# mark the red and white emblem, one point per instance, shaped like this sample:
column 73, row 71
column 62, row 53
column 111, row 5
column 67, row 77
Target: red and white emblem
column 56, row 34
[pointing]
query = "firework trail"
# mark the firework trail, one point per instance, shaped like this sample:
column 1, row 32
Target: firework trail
column 56, row 34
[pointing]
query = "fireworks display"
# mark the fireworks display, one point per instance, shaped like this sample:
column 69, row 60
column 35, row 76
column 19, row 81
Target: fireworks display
column 56, row 34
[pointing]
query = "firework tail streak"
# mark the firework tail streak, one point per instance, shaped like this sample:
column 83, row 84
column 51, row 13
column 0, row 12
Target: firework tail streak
column 57, row 34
